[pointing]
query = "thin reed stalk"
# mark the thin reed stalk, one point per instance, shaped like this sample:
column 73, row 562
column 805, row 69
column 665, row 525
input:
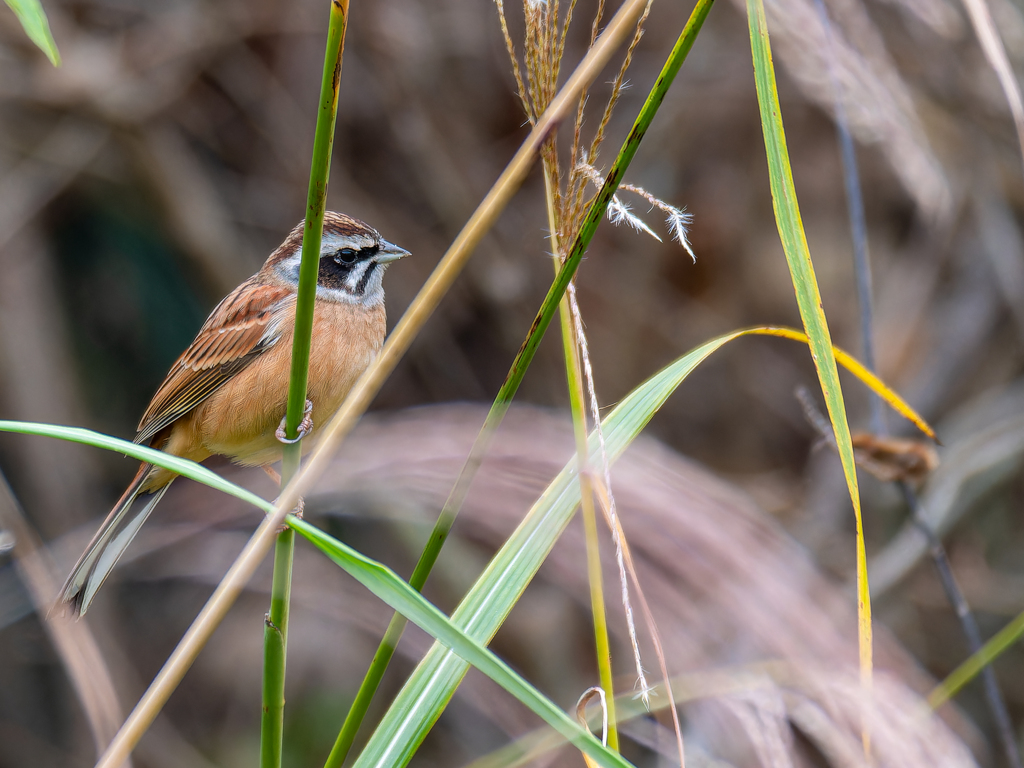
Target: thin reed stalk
column 371, row 681
column 275, row 630
column 574, row 381
column 275, row 649
column 543, row 45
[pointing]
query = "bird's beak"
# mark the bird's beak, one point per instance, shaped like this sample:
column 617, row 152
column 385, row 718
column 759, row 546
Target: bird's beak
column 389, row 252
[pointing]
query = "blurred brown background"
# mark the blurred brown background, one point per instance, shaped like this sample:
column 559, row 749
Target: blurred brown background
column 169, row 154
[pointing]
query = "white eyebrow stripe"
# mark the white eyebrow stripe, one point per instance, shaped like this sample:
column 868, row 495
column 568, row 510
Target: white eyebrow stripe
column 331, row 242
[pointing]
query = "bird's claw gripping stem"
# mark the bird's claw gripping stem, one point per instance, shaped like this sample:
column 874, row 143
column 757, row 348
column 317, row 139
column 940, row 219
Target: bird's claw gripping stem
column 305, row 426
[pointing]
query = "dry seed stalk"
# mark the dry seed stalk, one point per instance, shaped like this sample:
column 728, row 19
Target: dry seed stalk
column 620, row 78
column 543, row 47
column 606, row 477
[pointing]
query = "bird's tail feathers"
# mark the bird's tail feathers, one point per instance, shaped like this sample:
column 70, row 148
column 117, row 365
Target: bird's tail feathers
column 110, row 542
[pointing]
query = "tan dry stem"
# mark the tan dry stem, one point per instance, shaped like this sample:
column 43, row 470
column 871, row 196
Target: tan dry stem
column 365, row 390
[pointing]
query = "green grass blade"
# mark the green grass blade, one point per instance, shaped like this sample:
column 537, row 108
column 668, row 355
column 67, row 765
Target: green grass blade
column 386, row 585
column 794, row 243
column 489, row 601
column 33, row 20
column 183, row 467
column 970, row 669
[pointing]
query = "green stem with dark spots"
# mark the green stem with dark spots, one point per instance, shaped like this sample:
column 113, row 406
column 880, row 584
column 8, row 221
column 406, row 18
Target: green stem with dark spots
column 276, row 627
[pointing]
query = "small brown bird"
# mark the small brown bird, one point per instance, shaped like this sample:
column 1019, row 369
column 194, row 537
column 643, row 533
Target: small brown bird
column 227, row 393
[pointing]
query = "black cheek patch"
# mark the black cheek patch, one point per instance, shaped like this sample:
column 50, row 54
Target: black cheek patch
column 332, row 274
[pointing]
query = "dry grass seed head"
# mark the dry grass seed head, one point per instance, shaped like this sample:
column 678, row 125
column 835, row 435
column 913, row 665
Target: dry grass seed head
column 544, row 43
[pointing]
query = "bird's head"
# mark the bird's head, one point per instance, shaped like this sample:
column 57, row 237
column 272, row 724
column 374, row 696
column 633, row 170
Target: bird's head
column 353, row 257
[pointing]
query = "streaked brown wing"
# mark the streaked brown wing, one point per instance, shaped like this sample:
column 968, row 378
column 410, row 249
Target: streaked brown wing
column 236, row 332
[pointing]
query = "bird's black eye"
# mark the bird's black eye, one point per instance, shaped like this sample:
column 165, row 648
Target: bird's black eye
column 346, row 256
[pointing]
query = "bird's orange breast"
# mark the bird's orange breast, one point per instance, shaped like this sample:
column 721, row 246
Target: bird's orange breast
column 240, row 418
